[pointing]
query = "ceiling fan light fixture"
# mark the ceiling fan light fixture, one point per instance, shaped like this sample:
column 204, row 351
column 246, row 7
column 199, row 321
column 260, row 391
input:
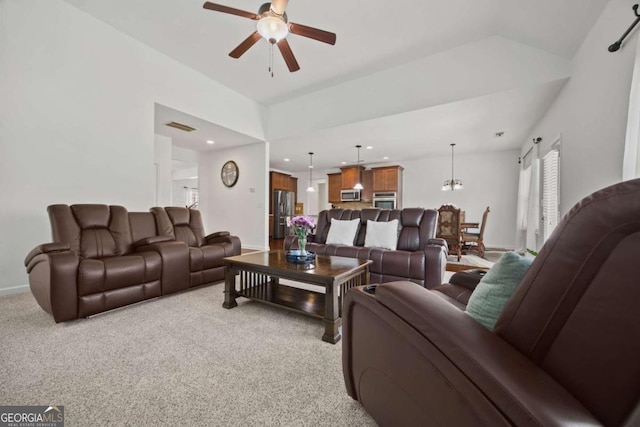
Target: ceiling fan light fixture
column 272, row 28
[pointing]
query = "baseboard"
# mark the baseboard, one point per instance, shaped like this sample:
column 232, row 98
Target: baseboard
column 14, row 290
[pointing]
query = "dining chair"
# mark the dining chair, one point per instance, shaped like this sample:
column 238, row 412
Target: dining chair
column 449, row 228
column 474, row 241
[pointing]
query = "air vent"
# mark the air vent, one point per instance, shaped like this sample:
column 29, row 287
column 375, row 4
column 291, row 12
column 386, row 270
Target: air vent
column 181, row 126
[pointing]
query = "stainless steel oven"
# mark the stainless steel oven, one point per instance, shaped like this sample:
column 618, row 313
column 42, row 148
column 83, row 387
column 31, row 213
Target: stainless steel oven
column 384, row 200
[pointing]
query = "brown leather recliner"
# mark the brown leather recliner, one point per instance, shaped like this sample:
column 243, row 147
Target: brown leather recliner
column 564, row 350
column 206, row 253
column 93, row 264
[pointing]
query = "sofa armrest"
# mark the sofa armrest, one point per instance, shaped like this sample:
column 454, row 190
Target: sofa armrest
column 53, row 279
column 46, row 248
column 469, row 278
column 492, row 377
column 290, row 242
column 175, row 261
column 435, row 265
column 217, row 234
column 152, row 240
column 221, row 237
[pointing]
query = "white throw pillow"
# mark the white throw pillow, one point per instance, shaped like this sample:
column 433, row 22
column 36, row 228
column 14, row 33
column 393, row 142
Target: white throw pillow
column 382, row 235
column 342, row 232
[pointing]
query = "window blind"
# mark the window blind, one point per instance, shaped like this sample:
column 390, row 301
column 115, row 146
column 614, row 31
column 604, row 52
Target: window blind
column 550, row 192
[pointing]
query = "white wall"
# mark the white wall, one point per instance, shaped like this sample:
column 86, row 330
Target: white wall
column 77, row 115
column 590, row 112
column 162, row 159
column 490, row 179
column 241, row 209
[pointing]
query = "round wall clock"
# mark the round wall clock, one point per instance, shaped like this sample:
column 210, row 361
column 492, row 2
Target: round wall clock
column 229, row 173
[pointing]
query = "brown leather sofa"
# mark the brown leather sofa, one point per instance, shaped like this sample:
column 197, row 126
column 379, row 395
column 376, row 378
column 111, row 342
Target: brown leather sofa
column 103, row 257
column 564, row 350
column 419, row 257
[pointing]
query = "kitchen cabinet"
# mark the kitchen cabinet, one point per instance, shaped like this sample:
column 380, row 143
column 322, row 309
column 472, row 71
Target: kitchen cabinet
column 366, row 194
column 281, row 181
column 351, row 176
column 293, row 186
column 387, row 179
column 335, row 185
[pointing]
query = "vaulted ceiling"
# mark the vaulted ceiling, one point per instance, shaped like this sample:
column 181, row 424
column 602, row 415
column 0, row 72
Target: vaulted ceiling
column 407, row 77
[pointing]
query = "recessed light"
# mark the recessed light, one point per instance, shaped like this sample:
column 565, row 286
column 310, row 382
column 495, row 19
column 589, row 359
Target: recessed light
column 343, row 163
column 369, row 147
column 385, row 158
column 286, row 160
column 210, row 141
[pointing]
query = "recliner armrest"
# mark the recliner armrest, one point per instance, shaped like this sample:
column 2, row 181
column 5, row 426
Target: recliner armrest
column 525, row 393
column 438, row 242
column 45, row 249
column 152, row 240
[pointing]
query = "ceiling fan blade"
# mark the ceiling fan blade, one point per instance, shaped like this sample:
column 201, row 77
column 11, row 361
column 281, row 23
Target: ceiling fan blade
column 226, row 9
column 245, row 45
column 313, row 33
column 287, row 54
column 278, row 6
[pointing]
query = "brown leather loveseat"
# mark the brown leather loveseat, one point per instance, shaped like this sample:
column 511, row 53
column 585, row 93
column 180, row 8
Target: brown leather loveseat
column 563, row 352
column 103, row 257
column 419, row 257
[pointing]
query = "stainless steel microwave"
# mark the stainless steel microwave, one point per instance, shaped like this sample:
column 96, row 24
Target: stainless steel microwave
column 350, row 195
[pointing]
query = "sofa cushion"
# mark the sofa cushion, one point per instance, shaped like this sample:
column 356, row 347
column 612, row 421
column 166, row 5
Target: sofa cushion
column 100, row 275
column 342, row 232
column 496, row 287
column 206, row 257
column 382, row 235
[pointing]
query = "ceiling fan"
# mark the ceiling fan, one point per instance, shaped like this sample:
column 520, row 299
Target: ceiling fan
column 274, row 27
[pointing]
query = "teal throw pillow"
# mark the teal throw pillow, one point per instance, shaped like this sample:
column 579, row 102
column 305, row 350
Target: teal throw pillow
column 496, row 287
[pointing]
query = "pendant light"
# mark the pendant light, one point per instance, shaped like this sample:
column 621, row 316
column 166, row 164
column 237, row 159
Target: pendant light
column 452, row 184
column 358, row 186
column 310, row 189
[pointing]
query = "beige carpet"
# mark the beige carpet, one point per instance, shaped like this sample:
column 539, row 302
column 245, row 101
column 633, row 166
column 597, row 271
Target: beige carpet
column 180, row 360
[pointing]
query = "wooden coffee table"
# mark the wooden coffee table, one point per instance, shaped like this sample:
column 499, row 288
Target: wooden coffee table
column 259, row 280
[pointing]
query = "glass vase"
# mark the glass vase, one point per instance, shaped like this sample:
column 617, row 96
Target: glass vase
column 302, row 243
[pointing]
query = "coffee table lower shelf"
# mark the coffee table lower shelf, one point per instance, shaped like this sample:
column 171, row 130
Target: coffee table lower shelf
column 259, row 277
column 299, row 300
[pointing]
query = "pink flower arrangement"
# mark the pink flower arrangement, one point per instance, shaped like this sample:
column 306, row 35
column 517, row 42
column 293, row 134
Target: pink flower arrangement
column 303, row 223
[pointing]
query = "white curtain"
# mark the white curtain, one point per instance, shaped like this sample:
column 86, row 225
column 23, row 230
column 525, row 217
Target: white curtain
column 631, row 158
column 523, row 207
column 528, row 210
column 533, row 214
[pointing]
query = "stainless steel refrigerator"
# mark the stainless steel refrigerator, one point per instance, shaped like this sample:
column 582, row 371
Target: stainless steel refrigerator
column 283, row 206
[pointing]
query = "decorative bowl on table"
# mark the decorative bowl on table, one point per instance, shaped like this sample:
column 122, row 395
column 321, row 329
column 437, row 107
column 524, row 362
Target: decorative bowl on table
column 297, row 257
